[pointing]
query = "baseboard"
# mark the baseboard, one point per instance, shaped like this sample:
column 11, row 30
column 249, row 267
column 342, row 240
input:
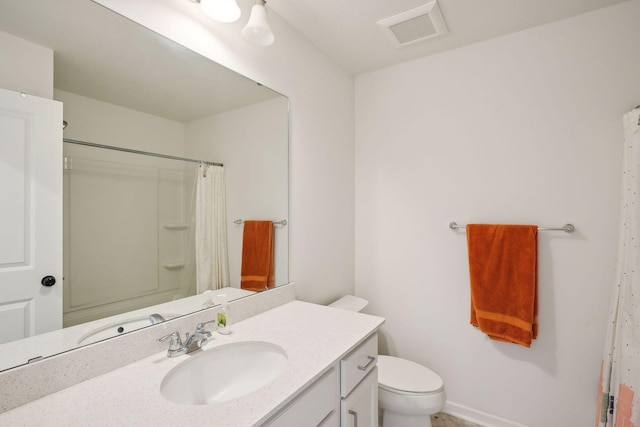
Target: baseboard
column 478, row 417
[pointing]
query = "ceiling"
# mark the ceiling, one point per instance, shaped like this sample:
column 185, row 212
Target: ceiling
column 346, row 30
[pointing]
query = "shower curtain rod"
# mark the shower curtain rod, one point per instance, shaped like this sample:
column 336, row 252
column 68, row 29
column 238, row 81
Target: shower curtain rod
column 568, row 228
column 145, row 153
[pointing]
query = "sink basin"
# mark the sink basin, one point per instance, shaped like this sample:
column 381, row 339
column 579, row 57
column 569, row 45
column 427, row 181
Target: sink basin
column 224, row 373
column 119, row 328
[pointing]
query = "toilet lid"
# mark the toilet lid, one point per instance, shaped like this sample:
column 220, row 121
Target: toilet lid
column 405, row 375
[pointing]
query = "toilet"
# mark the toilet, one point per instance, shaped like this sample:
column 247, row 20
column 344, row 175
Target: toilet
column 408, row 393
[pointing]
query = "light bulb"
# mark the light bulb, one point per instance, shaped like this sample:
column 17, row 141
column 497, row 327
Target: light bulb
column 221, row 10
column 257, row 30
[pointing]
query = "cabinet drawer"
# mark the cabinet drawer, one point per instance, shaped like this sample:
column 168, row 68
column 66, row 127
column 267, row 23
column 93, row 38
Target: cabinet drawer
column 313, row 407
column 357, row 364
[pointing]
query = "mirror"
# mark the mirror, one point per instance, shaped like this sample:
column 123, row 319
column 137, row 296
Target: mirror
column 125, row 86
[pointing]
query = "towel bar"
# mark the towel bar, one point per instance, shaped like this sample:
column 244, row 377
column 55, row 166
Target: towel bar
column 281, row 222
column 567, row 228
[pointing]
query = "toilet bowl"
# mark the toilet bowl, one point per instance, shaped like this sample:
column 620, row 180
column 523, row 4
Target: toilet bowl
column 408, row 393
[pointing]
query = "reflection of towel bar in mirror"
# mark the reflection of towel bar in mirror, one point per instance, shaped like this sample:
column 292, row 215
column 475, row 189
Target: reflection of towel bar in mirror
column 568, row 228
column 282, row 222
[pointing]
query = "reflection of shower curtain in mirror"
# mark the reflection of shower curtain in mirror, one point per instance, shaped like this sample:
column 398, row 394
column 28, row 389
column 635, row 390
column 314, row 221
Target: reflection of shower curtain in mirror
column 212, row 262
column 620, row 378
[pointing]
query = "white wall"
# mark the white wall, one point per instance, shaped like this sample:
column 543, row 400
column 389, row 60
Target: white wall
column 522, row 129
column 321, row 131
column 103, row 123
column 26, row 67
column 252, row 144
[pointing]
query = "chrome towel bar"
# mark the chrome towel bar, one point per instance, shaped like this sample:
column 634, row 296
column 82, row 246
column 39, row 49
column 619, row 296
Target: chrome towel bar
column 567, row 228
column 281, row 222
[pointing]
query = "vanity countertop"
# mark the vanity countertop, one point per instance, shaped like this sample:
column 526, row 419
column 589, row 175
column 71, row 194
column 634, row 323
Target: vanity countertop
column 313, row 336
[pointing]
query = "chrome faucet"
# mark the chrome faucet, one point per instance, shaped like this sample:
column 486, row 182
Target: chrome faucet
column 199, row 338
column 193, row 341
column 156, row 318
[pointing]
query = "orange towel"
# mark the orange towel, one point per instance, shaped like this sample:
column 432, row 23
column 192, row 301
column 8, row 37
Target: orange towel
column 257, row 273
column 503, row 268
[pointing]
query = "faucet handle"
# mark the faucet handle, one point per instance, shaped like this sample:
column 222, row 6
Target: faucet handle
column 200, row 326
column 175, row 343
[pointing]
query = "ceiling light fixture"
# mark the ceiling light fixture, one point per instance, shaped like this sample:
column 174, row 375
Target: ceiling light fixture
column 220, row 10
column 257, row 30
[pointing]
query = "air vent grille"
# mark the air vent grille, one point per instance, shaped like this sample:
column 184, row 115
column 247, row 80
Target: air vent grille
column 415, row 25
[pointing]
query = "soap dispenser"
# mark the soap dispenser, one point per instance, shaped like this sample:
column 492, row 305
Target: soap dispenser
column 224, row 325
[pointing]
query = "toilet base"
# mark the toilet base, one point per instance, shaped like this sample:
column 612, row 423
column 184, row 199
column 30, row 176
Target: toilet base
column 394, row 419
column 401, row 410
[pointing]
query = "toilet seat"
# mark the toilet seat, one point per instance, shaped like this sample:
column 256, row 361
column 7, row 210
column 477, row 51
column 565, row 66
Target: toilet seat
column 406, row 377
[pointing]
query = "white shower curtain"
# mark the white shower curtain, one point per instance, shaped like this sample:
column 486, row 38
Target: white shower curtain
column 620, row 376
column 212, row 263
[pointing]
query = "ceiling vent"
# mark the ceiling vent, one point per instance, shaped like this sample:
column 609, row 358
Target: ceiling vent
column 414, row 25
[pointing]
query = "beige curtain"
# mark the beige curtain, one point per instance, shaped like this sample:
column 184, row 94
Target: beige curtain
column 212, row 258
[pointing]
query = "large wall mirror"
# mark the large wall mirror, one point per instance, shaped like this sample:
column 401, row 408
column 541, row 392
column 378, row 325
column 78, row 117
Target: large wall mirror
column 131, row 215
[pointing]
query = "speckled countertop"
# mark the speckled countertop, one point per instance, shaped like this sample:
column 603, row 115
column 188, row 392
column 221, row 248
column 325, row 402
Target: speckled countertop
column 313, row 336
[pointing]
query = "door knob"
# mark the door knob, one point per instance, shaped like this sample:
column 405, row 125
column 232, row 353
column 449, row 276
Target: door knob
column 48, row 281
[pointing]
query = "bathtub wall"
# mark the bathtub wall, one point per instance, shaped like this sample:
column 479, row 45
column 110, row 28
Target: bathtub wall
column 141, row 217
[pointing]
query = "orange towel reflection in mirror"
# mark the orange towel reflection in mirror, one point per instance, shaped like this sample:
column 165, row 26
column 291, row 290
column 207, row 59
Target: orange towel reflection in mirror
column 257, row 272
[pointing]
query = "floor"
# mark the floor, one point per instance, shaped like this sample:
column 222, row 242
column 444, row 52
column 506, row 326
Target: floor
column 444, row 420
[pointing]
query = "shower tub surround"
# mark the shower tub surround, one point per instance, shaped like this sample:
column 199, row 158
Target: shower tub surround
column 314, row 337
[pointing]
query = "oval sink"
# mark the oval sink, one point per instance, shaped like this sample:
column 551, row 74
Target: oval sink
column 224, row 373
column 119, row 328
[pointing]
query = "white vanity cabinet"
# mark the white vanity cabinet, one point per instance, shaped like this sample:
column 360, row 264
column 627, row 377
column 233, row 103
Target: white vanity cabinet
column 360, row 408
column 330, row 379
column 317, row 405
column 345, row 395
column 359, row 386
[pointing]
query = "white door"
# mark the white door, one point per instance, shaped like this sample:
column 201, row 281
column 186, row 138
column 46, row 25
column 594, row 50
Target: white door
column 30, row 215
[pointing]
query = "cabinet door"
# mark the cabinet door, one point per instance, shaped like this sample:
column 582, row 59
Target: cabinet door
column 360, row 407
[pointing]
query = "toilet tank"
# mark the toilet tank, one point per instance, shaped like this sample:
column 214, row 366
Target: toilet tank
column 350, row 302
